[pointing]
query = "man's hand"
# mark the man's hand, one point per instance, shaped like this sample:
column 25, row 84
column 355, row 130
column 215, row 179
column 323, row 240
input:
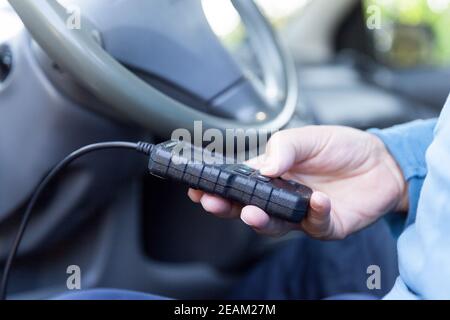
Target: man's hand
column 354, row 178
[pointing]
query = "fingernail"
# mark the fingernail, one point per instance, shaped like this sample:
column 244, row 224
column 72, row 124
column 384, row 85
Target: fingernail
column 244, row 220
column 258, row 161
column 269, row 169
column 320, row 200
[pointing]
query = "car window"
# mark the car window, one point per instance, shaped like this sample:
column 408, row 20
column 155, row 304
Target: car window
column 227, row 25
column 410, row 32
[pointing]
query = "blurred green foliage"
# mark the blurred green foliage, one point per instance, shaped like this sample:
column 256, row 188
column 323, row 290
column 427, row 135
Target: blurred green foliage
column 417, row 31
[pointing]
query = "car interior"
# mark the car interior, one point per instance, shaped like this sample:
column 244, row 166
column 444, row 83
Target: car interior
column 136, row 71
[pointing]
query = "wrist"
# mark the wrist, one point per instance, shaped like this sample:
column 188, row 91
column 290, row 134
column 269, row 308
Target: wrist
column 401, row 202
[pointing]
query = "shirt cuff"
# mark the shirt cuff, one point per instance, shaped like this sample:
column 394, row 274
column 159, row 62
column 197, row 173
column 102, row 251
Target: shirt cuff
column 408, row 143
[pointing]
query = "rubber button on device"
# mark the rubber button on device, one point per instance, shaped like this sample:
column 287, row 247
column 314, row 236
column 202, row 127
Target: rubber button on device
column 244, row 170
column 263, row 178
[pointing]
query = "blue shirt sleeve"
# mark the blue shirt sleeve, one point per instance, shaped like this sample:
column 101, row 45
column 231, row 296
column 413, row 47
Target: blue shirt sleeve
column 408, row 143
column 424, row 246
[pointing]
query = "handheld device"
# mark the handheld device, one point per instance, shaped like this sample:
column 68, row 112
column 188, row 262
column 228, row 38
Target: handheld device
column 181, row 161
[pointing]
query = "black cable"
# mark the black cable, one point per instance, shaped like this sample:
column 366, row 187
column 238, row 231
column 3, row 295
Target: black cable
column 142, row 147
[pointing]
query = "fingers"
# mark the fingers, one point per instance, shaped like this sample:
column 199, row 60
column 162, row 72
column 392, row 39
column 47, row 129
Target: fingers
column 215, row 205
column 195, row 195
column 256, row 163
column 319, row 222
column 220, row 207
column 284, row 149
column 250, row 215
column 263, row 223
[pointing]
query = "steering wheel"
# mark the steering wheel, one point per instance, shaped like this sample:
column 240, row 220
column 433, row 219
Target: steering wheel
column 83, row 56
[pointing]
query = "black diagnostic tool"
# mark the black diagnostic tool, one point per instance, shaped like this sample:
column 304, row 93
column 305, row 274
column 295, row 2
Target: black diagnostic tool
column 181, row 161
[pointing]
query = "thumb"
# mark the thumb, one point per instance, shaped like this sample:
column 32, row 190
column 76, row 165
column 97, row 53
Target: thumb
column 319, row 222
column 288, row 147
column 280, row 154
